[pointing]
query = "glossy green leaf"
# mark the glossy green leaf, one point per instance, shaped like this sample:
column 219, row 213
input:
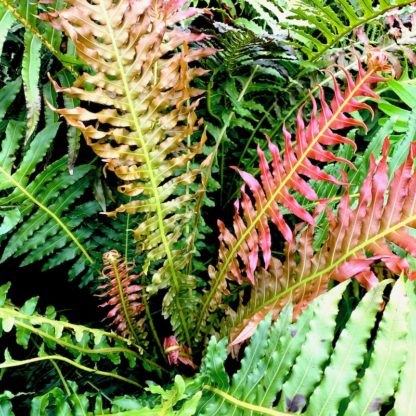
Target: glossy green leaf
column 11, row 218
column 6, row 22
column 8, row 94
column 380, row 378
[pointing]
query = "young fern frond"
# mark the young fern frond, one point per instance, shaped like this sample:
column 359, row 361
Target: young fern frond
column 311, row 369
column 123, row 295
column 369, row 228
column 63, row 341
column 251, row 229
column 142, row 82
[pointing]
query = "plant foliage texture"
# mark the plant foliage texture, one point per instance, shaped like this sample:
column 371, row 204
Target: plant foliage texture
column 127, row 130
column 251, row 229
column 300, row 364
column 354, row 233
column 143, row 84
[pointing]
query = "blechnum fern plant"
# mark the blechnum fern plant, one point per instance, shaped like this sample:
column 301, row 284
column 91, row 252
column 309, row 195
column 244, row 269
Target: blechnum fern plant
column 315, row 366
column 145, row 127
column 134, row 90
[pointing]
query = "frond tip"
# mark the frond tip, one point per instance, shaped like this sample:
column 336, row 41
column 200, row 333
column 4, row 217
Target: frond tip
column 241, row 250
column 123, row 296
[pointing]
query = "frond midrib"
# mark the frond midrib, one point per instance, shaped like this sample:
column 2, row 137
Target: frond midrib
column 361, row 22
column 271, row 200
column 335, row 264
column 51, row 214
column 155, row 190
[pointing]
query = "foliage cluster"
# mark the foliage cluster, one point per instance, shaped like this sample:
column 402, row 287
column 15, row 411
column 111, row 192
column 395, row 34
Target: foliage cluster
column 231, row 183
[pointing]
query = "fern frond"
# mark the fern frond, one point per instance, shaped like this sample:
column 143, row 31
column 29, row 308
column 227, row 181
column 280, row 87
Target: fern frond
column 69, row 400
column 300, row 364
column 318, row 26
column 251, row 229
column 122, row 293
column 241, row 47
column 271, row 13
column 31, row 68
column 31, row 198
column 353, row 233
column 6, row 22
column 143, row 82
column 333, row 23
column 26, row 15
column 63, row 341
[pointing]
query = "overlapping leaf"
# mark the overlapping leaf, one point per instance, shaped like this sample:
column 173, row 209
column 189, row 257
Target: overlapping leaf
column 142, row 82
column 332, row 23
column 306, row 368
column 316, row 25
column 29, row 205
column 239, row 252
column 62, row 341
column 357, row 238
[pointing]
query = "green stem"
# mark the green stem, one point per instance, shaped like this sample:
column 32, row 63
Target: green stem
column 144, row 298
column 14, row 363
column 253, row 134
column 61, row 376
column 126, row 241
column 349, row 29
column 244, row 405
column 152, row 328
column 6, row 312
column 148, row 162
column 98, row 390
column 109, row 350
column 207, row 174
column 49, row 212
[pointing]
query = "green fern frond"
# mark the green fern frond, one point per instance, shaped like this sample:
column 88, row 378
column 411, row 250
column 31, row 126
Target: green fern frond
column 64, row 341
column 173, row 401
column 31, row 198
column 25, row 13
column 240, row 47
column 316, row 26
column 314, row 370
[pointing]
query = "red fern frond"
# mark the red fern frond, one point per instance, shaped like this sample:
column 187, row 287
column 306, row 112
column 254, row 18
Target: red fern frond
column 240, row 251
column 284, row 172
column 123, row 296
column 357, row 237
